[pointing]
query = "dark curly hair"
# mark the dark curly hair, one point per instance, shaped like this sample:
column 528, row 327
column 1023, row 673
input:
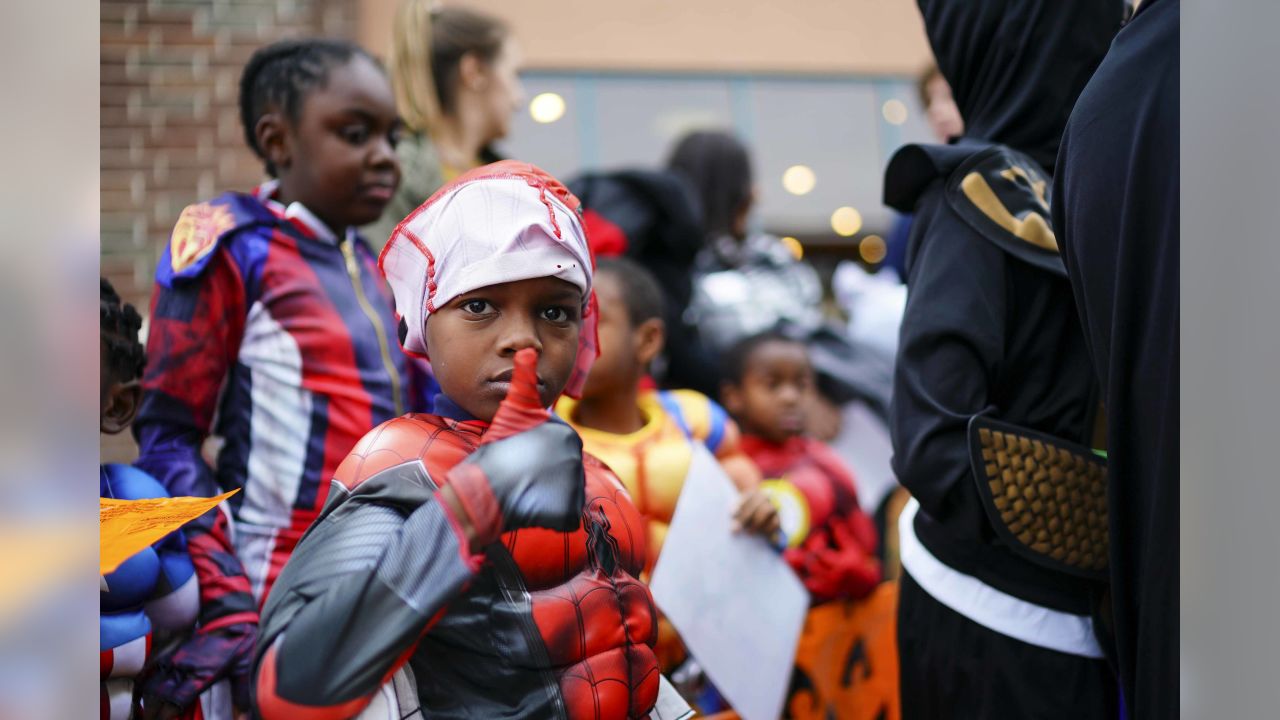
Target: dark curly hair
column 120, row 325
column 735, row 360
column 640, row 290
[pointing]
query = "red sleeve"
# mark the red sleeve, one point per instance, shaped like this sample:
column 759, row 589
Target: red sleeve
column 194, row 337
column 838, row 560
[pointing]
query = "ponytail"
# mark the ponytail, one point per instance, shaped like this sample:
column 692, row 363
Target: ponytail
column 415, row 89
column 428, row 44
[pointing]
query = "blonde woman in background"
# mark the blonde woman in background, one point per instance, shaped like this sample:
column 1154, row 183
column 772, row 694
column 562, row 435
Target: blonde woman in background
column 455, row 74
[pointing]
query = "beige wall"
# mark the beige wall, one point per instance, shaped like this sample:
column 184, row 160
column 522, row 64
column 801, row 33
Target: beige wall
column 808, row 36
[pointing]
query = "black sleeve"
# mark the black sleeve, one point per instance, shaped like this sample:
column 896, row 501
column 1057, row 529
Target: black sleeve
column 950, row 348
column 360, row 590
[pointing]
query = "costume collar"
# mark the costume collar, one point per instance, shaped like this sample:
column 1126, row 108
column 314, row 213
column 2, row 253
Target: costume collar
column 445, row 407
column 298, row 214
column 752, row 444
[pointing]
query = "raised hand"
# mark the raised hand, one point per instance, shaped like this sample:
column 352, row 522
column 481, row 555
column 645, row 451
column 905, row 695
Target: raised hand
column 522, row 408
column 528, row 469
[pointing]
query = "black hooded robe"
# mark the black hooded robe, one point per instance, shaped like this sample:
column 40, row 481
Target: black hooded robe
column 990, row 328
column 1116, row 211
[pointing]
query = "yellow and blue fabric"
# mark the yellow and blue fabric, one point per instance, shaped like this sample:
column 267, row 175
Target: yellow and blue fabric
column 652, row 462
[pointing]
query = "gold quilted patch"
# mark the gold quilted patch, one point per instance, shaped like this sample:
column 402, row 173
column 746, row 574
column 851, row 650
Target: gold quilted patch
column 1053, row 500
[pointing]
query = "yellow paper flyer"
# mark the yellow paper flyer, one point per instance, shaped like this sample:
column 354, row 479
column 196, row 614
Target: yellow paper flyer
column 127, row 526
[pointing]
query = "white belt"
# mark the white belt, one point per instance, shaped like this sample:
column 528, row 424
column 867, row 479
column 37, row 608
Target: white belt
column 989, row 607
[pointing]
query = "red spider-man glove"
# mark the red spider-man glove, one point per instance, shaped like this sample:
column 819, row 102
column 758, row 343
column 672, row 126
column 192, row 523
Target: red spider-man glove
column 835, row 563
column 522, row 409
column 528, row 469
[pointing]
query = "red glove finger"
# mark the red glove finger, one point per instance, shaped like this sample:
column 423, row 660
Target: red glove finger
column 527, row 472
column 522, row 408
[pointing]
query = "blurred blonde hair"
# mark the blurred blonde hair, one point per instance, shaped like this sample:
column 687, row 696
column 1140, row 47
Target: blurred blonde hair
column 428, row 43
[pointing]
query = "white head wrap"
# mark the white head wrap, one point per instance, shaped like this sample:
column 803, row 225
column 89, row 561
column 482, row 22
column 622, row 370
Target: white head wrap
column 497, row 224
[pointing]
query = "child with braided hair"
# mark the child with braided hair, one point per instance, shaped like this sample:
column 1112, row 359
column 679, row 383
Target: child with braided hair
column 271, row 329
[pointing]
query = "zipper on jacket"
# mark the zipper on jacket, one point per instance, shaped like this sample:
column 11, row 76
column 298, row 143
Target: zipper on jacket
column 353, row 269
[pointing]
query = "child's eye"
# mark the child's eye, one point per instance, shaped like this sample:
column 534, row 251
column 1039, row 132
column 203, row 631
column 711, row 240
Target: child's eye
column 476, row 307
column 393, row 137
column 557, row 314
column 355, row 134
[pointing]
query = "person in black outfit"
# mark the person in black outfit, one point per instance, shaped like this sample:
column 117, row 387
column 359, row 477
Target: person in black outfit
column 1115, row 206
column 990, row 626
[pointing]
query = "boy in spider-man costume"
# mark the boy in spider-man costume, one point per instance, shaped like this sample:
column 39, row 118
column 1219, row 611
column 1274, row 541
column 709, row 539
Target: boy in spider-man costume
column 474, row 557
column 769, row 379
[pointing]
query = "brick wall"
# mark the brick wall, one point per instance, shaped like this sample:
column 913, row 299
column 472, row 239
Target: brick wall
column 171, row 131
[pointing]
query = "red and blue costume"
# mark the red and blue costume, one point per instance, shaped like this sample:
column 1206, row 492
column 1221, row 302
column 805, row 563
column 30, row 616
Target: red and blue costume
column 154, row 591
column 277, row 335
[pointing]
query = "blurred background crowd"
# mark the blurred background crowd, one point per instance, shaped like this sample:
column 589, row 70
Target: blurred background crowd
column 819, row 94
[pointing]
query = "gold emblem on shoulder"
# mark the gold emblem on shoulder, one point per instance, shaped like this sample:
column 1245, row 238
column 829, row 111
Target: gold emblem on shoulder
column 1037, row 186
column 196, row 233
column 1032, row 226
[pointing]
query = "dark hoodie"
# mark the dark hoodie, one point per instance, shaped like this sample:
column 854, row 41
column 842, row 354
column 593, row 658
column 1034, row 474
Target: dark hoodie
column 1115, row 206
column 990, row 324
column 1016, row 66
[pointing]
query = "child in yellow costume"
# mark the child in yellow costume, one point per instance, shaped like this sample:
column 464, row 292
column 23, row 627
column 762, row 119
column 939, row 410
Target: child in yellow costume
column 645, row 435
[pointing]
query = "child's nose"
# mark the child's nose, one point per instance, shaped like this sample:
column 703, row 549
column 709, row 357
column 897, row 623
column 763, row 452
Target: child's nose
column 519, row 333
column 383, row 153
column 789, row 394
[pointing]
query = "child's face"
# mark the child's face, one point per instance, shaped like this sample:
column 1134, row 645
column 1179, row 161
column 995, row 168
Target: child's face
column 775, row 389
column 339, row 158
column 472, row 341
column 625, row 350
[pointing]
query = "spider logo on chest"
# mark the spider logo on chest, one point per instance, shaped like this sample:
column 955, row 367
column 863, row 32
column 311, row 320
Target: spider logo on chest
column 602, row 546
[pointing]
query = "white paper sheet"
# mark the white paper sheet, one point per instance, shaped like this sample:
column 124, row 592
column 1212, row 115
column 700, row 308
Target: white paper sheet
column 670, row 705
column 864, row 445
column 733, row 599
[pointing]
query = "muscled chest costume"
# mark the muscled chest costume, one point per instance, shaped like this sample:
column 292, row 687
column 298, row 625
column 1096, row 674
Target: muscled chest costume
column 549, row 624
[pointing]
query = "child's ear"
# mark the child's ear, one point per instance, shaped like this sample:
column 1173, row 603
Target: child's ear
column 272, row 134
column 650, row 337
column 121, row 406
column 731, row 398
